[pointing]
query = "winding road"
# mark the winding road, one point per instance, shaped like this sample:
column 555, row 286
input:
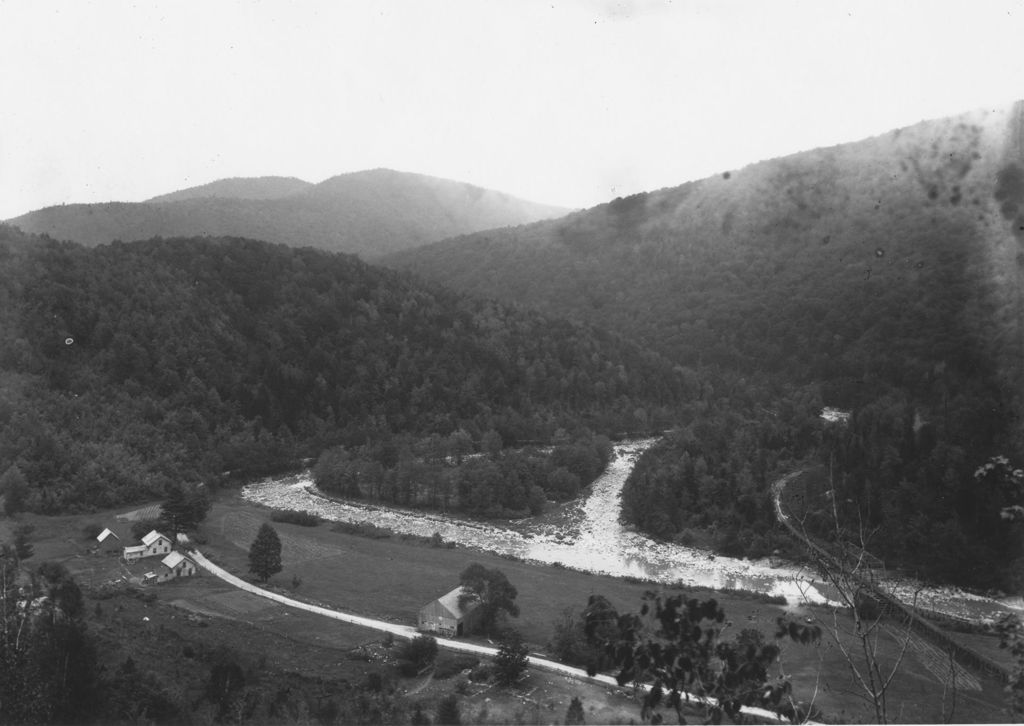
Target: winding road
column 408, row 632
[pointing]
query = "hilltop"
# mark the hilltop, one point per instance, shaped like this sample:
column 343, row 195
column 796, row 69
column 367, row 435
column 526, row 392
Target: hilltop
column 263, row 187
column 368, row 213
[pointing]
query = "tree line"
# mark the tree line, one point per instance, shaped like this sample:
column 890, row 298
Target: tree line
column 454, row 473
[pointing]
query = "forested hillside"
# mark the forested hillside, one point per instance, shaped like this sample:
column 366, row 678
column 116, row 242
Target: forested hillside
column 883, row 277
column 130, row 366
column 368, row 213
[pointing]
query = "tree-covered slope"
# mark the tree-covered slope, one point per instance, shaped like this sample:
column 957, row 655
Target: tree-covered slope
column 128, row 366
column 797, row 264
column 883, row 276
column 368, row 213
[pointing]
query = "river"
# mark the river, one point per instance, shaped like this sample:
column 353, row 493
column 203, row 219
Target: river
column 588, row 536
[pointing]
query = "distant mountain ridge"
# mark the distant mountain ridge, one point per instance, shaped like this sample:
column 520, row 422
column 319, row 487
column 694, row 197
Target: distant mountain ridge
column 369, row 213
column 701, row 271
column 262, row 187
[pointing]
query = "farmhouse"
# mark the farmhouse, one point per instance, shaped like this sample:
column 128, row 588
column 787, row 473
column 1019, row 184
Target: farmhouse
column 153, row 544
column 444, row 615
column 173, row 566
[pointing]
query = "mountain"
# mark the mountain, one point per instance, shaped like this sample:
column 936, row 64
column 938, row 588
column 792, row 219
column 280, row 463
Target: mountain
column 368, row 213
column 882, row 276
column 131, row 365
column 264, row 187
column 797, row 265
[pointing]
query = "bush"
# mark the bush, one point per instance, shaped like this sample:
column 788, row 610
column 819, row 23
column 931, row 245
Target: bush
column 362, row 530
column 416, row 654
column 294, row 516
column 482, row 673
column 451, row 664
column 92, row 530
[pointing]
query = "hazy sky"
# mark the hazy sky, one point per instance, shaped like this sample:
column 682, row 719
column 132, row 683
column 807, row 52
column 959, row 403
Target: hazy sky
column 571, row 103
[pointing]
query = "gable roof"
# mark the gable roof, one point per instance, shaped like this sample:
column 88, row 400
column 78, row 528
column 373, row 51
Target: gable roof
column 152, row 537
column 105, row 534
column 174, row 559
column 450, row 602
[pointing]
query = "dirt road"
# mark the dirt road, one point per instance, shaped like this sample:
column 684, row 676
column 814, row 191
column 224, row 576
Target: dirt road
column 405, row 631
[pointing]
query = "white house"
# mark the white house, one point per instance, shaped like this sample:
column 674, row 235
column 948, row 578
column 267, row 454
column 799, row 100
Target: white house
column 153, row 545
column 175, row 565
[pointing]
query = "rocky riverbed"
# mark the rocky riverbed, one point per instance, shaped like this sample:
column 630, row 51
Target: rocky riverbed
column 587, row 535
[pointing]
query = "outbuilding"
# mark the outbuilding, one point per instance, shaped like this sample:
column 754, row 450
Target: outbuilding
column 108, row 541
column 446, row 617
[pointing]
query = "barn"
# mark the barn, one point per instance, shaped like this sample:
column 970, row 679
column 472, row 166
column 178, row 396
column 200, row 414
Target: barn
column 108, row 541
column 445, row 617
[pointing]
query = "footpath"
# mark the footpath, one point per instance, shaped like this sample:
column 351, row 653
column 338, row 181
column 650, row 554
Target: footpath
column 408, row 632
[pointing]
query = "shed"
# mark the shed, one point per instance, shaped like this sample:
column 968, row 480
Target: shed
column 108, row 541
column 105, row 535
column 444, row 615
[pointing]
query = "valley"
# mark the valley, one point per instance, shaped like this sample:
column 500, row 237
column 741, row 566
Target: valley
column 588, row 536
column 455, row 410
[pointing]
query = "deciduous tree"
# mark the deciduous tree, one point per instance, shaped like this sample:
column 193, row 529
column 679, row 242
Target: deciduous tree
column 492, row 590
column 674, row 645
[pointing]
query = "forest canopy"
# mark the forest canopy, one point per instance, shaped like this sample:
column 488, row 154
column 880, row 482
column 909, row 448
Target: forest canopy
column 132, row 366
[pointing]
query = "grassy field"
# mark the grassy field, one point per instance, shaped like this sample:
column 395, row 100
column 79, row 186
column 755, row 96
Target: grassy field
column 392, row 578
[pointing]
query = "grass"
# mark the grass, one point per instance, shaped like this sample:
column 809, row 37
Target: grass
column 392, row 578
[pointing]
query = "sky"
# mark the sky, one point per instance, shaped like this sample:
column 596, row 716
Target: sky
column 568, row 103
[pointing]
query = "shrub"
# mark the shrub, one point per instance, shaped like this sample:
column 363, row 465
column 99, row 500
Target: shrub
column 91, row 530
column 294, row 516
column 416, row 654
column 451, row 664
column 362, row 530
column 481, row 673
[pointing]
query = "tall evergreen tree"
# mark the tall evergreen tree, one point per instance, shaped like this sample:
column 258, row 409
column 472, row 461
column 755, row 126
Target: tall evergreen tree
column 511, row 659
column 14, row 486
column 574, row 716
column 448, row 711
column 184, row 508
column 265, row 553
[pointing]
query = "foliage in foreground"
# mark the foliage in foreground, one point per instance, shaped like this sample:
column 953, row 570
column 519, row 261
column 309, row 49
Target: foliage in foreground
column 674, row 644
